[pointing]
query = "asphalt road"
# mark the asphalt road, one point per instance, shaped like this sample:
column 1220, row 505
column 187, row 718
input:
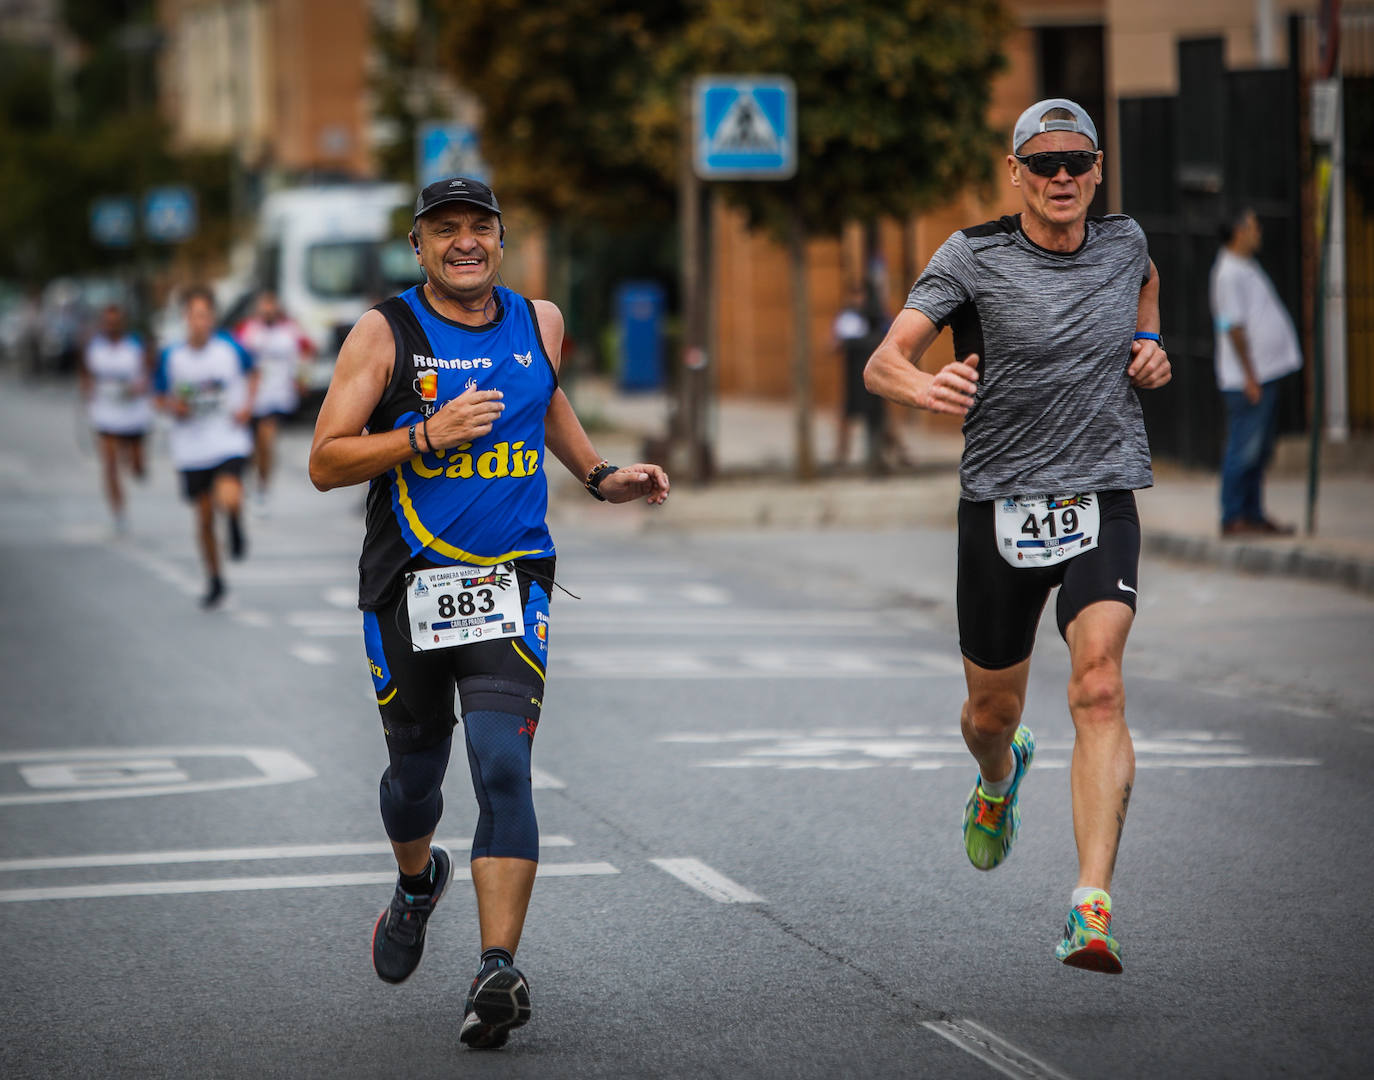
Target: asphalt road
column 750, row 786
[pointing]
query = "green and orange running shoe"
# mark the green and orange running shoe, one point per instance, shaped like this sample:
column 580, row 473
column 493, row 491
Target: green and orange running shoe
column 990, row 822
column 1088, row 941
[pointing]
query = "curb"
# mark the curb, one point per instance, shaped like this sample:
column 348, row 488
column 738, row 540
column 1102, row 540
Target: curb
column 1265, row 557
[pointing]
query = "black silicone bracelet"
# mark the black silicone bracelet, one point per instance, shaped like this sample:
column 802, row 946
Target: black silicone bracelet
column 411, row 435
column 596, row 476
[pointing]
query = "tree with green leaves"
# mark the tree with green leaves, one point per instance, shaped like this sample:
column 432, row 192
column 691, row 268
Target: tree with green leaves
column 583, row 99
column 68, row 136
column 585, row 105
column 560, row 85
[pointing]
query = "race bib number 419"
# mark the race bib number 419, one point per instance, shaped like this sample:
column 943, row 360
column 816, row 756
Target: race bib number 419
column 1040, row 531
column 461, row 605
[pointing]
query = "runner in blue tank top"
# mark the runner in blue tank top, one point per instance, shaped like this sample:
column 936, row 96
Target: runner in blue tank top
column 445, row 400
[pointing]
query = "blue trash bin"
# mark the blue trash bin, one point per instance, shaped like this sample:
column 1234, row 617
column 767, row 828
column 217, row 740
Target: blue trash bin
column 639, row 318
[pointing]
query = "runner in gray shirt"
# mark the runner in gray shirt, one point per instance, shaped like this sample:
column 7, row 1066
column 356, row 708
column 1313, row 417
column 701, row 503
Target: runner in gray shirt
column 1054, row 410
column 1055, row 319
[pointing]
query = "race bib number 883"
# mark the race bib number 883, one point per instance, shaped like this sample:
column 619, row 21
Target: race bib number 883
column 1040, row 531
column 460, row 605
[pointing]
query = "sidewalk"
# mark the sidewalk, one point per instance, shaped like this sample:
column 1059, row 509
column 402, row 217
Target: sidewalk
column 754, row 446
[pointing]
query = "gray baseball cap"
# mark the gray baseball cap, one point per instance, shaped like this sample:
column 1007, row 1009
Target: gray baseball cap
column 1032, row 122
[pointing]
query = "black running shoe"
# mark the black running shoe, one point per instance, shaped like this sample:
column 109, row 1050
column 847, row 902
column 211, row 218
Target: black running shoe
column 214, row 593
column 398, row 939
column 498, row 1003
column 238, row 544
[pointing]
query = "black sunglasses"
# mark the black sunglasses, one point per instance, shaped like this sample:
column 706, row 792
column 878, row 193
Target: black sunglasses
column 1077, row 162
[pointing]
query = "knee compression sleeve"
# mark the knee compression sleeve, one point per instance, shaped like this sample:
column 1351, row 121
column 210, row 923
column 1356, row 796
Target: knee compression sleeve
column 412, row 802
column 499, row 744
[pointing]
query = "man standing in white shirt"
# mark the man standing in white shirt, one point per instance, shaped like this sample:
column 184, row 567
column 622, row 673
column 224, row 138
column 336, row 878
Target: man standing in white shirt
column 207, row 384
column 1256, row 345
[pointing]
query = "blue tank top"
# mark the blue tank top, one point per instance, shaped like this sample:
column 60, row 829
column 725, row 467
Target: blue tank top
column 480, row 503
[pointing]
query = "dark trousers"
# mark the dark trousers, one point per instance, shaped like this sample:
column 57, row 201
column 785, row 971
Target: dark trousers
column 1250, row 434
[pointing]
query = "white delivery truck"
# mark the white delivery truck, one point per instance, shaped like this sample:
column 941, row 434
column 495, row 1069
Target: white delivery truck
column 330, row 253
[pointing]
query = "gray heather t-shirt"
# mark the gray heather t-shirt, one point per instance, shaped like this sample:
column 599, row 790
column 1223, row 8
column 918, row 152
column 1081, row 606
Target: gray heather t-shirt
column 1055, row 413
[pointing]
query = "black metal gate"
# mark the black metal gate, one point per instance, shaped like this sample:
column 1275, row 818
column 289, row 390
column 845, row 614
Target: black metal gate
column 1228, row 140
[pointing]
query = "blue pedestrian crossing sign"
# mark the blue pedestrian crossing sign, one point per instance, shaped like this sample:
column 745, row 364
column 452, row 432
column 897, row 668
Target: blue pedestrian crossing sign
column 169, row 214
column 744, row 127
column 113, row 220
column 443, row 149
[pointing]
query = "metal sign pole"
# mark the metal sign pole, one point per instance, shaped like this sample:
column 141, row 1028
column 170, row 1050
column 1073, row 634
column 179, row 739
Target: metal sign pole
column 1330, row 24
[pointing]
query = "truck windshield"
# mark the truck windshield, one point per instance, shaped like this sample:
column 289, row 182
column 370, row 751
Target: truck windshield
column 337, row 269
column 399, row 270
column 360, row 268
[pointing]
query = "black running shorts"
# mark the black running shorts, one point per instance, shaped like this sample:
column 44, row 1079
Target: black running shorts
column 415, row 689
column 999, row 604
column 197, row 482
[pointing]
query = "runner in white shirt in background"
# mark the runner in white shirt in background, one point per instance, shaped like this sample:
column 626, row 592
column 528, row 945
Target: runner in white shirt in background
column 278, row 346
column 116, row 387
column 207, row 383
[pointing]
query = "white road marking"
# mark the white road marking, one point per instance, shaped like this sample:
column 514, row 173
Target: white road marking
column 312, row 654
column 612, row 593
column 168, row 572
column 544, row 781
column 255, row 884
column 570, row 617
column 993, row 1050
column 1226, row 763
column 724, row 737
column 339, row 596
column 842, row 750
column 126, row 771
column 283, row 574
column 327, row 623
column 87, row 533
column 789, row 663
column 674, row 620
column 274, row 766
column 705, row 880
column 708, row 595
column 259, row 620
column 809, row 663
column 241, row 854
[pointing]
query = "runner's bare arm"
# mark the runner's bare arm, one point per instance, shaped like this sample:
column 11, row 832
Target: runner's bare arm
column 245, row 414
column 1149, row 368
column 341, row 453
column 568, row 440
column 149, row 366
column 563, row 432
column 892, row 372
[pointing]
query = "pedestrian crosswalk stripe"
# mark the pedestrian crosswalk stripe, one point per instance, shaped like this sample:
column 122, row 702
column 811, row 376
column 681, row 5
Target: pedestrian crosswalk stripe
column 257, row 884
column 236, row 854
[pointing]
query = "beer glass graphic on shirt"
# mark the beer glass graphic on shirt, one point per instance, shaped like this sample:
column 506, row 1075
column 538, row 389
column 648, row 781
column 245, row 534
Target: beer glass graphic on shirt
column 427, row 386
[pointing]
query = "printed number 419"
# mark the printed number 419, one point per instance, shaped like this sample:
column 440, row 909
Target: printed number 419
column 1066, row 520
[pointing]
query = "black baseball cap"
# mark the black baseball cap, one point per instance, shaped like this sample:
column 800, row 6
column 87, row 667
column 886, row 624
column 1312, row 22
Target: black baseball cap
column 456, row 189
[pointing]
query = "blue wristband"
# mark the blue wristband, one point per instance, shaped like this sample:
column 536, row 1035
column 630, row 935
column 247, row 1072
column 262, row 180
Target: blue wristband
column 1146, row 335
